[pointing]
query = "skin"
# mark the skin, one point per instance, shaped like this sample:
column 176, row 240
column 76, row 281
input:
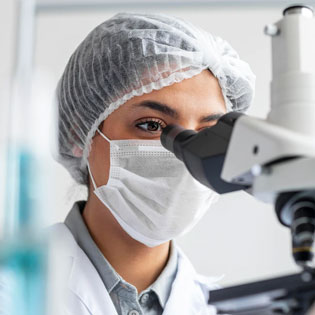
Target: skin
column 192, row 98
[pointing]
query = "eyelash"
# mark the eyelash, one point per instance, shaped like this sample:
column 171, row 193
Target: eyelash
column 148, row 120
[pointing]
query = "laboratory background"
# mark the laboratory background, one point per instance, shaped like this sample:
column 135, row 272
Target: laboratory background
column 240, row 237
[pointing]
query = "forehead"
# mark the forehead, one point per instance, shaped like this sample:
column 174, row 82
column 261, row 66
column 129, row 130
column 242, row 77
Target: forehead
column 199, row 93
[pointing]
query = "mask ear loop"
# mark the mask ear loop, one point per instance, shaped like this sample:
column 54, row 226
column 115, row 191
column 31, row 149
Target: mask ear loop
column 88, row 164
column 100, row 132
column 93, row 182
column 110, row 141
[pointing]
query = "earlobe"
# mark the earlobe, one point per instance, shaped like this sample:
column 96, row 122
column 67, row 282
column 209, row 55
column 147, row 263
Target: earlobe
column 76, row 151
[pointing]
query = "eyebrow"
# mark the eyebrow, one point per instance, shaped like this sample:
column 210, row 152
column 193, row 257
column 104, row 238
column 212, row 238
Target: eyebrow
column 165, row 109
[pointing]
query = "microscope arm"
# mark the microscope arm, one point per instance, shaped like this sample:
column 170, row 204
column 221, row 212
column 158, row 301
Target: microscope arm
column 271, row 159
column 268, row 158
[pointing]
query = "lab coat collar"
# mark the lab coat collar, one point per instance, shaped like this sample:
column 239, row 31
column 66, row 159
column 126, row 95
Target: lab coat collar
column 162, row 286
column 189, row 293
column 86, row 294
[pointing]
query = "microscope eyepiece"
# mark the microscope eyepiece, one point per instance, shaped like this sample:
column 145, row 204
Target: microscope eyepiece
column 173, row 136
column 203, row 152
column 302, row 9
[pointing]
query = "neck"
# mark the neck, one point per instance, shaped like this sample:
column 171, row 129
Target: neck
column 133, row 261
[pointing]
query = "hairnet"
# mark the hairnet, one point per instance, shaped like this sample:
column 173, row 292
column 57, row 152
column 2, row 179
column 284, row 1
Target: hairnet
column 130, row 55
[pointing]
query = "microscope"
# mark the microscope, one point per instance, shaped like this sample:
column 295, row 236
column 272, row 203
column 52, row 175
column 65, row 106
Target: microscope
column 272, row 159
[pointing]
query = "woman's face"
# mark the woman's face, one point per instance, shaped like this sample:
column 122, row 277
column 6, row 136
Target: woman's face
column 194, row 103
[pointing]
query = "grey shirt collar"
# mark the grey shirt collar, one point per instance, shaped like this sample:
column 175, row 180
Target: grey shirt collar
column 162, row 286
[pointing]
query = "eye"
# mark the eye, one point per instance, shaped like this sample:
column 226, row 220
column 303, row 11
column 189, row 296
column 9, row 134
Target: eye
column 203, row 128
column 209, row 126
column 151, row 125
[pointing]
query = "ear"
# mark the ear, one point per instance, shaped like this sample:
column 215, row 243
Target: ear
column 76, row 151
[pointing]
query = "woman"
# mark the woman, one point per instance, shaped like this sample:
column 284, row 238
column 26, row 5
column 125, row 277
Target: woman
column 132, row 76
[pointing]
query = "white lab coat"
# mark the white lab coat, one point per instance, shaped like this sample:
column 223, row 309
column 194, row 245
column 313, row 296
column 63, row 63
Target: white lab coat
column 87, row 295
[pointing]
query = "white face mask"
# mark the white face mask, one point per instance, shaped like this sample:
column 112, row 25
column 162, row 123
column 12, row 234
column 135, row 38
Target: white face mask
column 150, row 192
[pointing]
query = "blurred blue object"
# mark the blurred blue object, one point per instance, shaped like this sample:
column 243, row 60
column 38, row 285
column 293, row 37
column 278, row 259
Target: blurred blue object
column 23, row 253
column 23, row 249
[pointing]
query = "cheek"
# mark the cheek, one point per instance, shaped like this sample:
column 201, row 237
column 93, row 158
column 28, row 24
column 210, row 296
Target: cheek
column 99, row 160
column 118, row 125
column 103, row 163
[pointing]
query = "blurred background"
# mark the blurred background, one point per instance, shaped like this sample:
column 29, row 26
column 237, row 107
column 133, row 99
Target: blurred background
column 240, row 237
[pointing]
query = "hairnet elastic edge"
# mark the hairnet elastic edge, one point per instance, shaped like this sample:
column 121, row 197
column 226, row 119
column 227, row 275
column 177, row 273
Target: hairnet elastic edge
column 173, row 78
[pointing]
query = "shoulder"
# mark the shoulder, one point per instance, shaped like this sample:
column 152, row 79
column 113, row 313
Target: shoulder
column 79, row 282
column 62, row 242
column 205, row 282
column 65, row 246
column 191, row 288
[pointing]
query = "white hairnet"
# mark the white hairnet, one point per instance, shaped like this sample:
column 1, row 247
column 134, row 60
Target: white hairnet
column 130, row 55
